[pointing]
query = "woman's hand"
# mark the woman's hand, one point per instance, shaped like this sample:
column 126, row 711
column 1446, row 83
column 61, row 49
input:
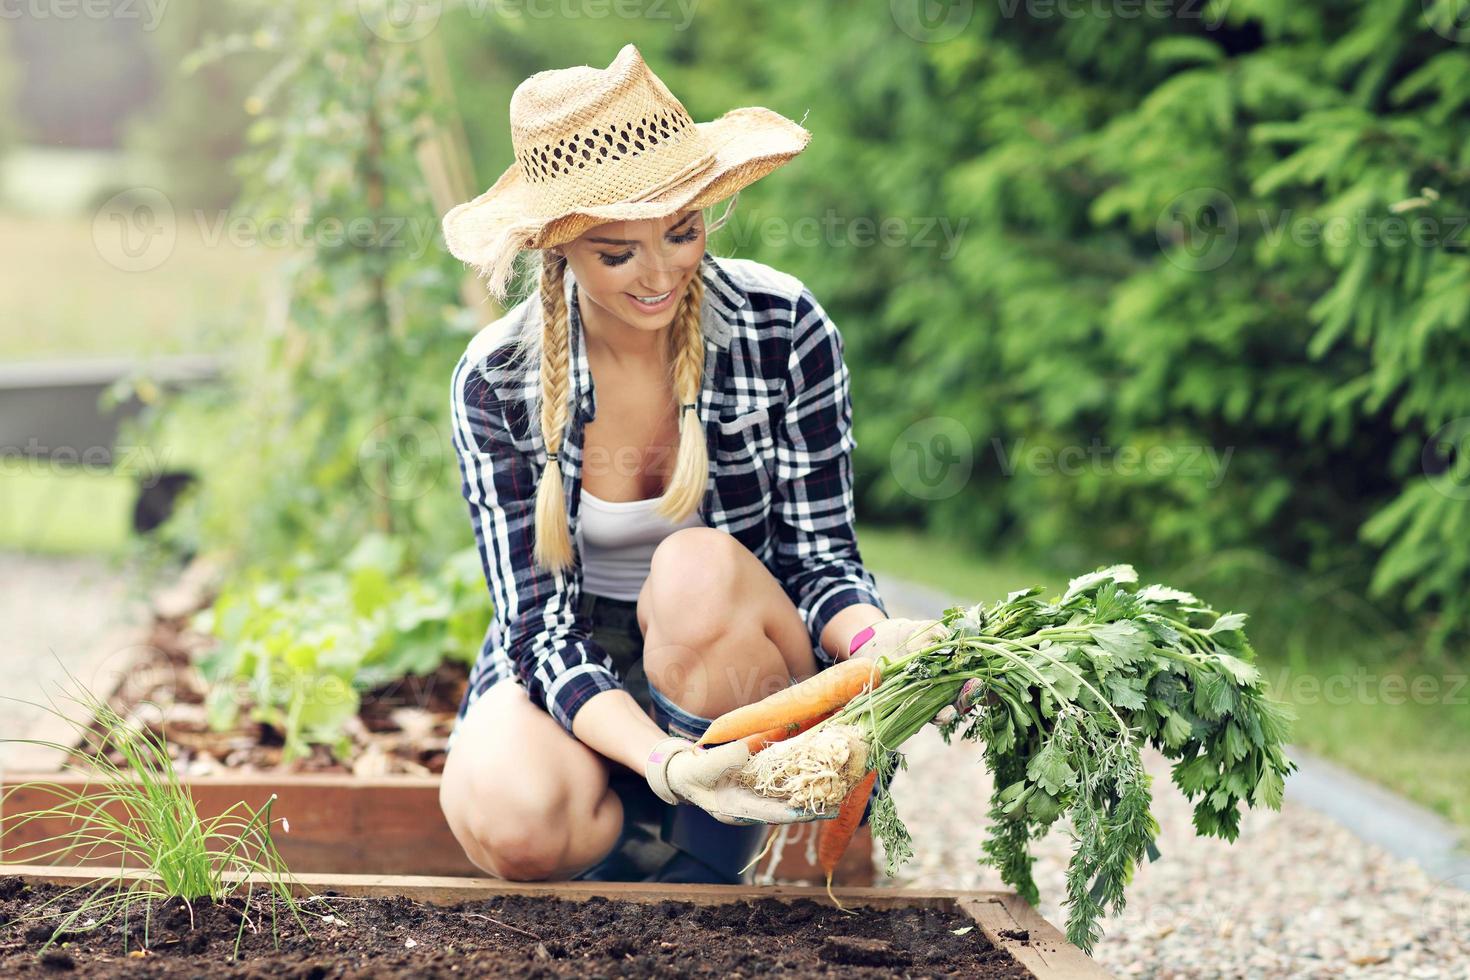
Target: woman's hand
column 679, row 772
column 895, row 636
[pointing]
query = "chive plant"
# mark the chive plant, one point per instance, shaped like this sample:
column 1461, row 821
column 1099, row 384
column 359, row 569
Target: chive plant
column 135, row 812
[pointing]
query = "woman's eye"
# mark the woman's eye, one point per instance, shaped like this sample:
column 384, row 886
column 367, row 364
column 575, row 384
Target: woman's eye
column 682, row 239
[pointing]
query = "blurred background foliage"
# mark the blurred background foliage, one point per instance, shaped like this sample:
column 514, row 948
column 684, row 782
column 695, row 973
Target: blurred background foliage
column 1188, row 291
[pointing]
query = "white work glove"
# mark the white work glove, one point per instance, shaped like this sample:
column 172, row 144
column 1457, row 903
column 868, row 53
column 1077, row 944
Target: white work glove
column 679, row 772
column 896, row 636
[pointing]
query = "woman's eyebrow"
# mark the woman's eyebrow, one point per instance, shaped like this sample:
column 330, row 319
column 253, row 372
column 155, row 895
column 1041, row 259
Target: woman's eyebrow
column 627, row 241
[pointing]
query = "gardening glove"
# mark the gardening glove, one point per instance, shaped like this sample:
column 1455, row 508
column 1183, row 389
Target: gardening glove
column 897, row 635
column 679, row 772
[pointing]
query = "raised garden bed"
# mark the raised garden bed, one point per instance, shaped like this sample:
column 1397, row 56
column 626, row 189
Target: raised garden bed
column 375, row 812
column 418, row 926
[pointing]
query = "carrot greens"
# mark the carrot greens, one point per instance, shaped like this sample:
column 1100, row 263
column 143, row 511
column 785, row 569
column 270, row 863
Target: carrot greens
column 1069, row 692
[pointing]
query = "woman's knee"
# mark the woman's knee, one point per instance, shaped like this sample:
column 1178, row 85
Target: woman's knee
column 693, row 580
column 705, row 646
column 527, row 814
column 516, row 839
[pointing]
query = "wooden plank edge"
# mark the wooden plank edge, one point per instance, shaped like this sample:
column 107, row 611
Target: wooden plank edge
column 1044, row 951
column 447, row 890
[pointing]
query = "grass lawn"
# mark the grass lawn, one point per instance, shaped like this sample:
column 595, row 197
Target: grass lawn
column 1404, row 725
column 79, row 512
column 63, row 298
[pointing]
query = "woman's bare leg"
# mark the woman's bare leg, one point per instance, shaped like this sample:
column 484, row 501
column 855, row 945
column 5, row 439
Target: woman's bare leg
column 529, row 802
column 719, row 631
column 526, row 800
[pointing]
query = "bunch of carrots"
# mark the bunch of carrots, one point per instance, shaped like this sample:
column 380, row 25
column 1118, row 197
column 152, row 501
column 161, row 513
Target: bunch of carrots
column 1069, row 690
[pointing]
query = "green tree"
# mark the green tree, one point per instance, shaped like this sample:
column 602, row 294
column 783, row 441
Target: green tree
column 197, row 124
column 331, row 488
column 1235, row 230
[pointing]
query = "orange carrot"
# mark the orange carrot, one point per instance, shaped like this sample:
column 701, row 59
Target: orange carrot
column 782, row 732
column 825, row 691
column 837, row 833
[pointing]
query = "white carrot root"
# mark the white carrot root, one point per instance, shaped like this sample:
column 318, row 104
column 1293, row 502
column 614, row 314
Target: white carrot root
column 814, row 770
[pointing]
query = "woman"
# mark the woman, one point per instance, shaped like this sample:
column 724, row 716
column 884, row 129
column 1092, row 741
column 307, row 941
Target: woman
column 655, row 448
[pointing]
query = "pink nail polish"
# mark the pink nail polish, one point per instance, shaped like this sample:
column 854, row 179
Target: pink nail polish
column 862, row 637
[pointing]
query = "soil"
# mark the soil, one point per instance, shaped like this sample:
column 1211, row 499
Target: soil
column 402, row 728
column 505, row 936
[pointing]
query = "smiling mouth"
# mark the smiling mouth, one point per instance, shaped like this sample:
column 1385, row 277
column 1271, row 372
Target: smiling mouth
column 652, row 300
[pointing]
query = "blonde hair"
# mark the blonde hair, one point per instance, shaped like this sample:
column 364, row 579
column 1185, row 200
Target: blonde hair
column 552, row 404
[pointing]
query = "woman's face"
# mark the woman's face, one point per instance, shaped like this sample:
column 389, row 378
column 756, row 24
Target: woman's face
column 620, row 264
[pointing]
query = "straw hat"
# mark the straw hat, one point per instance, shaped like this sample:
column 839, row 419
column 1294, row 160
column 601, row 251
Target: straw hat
column 594, row 145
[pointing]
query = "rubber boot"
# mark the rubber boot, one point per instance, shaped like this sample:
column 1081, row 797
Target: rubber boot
column 709, row 852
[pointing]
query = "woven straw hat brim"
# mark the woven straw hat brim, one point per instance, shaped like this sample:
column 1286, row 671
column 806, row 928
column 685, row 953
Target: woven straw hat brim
column 746, row 144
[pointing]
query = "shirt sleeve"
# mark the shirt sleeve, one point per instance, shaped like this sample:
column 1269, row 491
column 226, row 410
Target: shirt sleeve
column 535, row 610
column 816, row 540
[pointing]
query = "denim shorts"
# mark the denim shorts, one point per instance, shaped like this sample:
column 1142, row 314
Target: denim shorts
column 615, row 628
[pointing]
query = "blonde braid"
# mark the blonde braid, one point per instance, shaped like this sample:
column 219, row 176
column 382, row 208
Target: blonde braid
column 553, row 537
column 686, row 366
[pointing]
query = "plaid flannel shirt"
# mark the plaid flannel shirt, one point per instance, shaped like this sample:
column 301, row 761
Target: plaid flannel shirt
column 777, row 416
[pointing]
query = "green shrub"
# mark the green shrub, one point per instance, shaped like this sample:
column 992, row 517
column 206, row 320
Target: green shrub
column 1238, row 230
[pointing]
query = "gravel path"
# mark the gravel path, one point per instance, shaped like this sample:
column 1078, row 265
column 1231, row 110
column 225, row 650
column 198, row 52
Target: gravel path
column 1296, row 895
column 58, row 613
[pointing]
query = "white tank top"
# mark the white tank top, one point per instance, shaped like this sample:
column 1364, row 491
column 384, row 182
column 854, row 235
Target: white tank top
column 617, row 539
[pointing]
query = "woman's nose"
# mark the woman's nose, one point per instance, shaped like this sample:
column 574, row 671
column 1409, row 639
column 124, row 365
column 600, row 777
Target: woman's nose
column 659, row 272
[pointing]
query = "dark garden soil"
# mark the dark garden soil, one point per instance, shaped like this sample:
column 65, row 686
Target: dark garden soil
column 507, row 936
